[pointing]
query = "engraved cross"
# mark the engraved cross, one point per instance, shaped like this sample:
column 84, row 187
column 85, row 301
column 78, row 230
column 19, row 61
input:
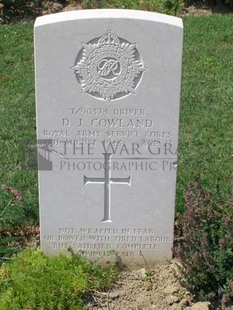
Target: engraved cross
column 107, row 180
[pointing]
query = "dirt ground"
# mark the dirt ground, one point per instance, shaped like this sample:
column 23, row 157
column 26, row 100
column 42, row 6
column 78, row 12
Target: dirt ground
column 159, row 291
column 158, row 288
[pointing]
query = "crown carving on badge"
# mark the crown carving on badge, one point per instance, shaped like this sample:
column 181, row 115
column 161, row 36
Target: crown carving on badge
column 109, row 38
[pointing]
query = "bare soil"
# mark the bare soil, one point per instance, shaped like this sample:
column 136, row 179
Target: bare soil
column 160, row 290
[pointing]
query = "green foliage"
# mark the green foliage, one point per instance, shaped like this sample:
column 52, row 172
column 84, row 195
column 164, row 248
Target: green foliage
column 16, row 214
column 17, row 8
column 14, row 220
column 20, row 8
column 34, row 281
column 172, row 7
column 205, row 136
column 9, row 245
column 14, row 239
column 206, row 249
column 17, row 119
column 205, row 119
column 228, row 2
column 210, row 2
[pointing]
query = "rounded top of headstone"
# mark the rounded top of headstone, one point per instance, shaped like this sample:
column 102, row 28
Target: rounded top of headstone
column 108, row 13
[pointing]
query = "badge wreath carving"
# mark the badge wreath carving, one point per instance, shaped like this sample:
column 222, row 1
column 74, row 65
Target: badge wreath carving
column 109, row 68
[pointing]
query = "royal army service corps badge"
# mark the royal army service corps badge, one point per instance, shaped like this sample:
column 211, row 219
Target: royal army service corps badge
column 109, row 68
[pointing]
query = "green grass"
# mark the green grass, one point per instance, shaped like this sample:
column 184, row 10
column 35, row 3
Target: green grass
column 17, row 122
column 205, row 121
column 206, row 103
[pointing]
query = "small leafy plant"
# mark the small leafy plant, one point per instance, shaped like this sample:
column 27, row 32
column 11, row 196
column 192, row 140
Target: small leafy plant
column 206, row 246
column 33, row 281
column 17, row 8
column 17, row 222
column 171, row 7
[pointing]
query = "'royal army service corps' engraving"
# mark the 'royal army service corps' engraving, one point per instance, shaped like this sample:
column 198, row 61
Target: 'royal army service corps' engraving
column 109, row 68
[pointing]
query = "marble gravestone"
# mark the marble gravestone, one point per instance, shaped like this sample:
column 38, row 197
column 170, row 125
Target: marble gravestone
column 107, row 97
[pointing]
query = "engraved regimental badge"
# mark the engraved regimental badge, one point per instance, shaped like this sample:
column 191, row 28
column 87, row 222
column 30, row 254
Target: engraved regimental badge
column 109, row 67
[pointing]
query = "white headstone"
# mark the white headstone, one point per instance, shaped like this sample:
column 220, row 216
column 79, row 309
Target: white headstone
column 107, row 93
